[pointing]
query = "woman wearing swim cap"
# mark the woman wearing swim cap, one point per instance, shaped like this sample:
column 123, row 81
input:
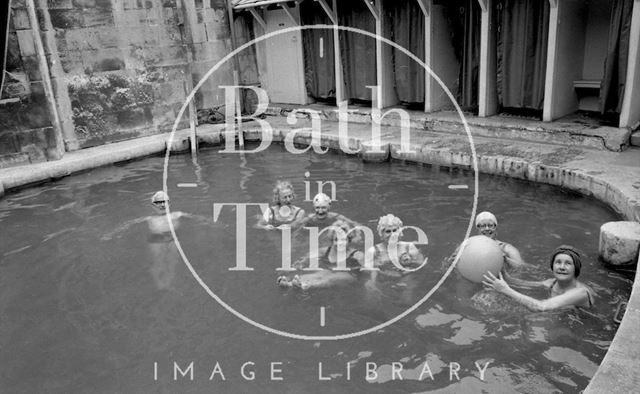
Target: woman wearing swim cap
column 564, row 288
column 487, row 225
column 282, row 212
column 322, row 216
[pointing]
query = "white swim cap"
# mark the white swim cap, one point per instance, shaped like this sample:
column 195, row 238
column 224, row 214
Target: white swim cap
column 159, row 196
column 321, row 198
column 484, row 216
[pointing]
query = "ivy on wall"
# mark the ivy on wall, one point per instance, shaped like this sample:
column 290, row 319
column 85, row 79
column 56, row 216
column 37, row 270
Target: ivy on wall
column 105, row 104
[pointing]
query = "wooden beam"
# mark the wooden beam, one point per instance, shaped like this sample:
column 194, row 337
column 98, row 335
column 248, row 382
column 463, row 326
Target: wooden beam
column 287, row 11
column 424, row 6
column 374, row 10
column 483, row 5
column 258, row 18
column 337, row 59
column 553, row 3
column 330, row 13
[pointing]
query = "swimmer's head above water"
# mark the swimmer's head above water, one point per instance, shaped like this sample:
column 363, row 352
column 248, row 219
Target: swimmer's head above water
column 321, row 204
column 160, row 200
column 283, row 193
column 566, row 262
column 487, row 224
column 387, row 225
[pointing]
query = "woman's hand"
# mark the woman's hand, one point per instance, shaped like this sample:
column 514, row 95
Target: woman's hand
column 498, row 284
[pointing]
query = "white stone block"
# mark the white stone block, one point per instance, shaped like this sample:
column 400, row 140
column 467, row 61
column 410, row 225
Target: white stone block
column 619, row 242
column 374, row 151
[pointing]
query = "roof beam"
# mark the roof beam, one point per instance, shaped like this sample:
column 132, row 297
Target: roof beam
column 330, row 13
column 258, row 18
column 287, row 11
column 372, row 7
column 424, row 6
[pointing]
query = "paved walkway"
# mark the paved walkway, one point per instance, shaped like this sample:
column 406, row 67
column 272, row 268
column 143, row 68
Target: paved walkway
column 592, row 169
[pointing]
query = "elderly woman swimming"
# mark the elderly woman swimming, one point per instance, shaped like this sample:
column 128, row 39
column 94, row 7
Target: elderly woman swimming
column 564, row 288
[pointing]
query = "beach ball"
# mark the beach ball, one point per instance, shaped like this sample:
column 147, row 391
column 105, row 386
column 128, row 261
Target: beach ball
column 479, row 255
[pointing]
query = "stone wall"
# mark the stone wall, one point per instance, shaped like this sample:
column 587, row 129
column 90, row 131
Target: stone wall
column 26, row 128
column 120, row 69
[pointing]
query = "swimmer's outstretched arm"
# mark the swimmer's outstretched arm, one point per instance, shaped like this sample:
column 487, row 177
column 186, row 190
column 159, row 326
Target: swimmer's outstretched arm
column 198, row 218
column 299, row 218
column 529, row 284
column 512, row 256
column 120, row 229
column 263, row 222
column 576, row 296
column 370, row 284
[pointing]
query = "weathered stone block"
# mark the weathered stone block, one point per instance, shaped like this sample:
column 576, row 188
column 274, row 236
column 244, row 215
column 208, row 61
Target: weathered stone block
column 199, row 33
column 20, row 19
column 84, row 3
column 179, row 144
column 169, row 35
column 26, row 42
column 48, row 136
column 154, row 16
column 220, row 4
column 13, row 160
column 36, row 154
column 8, row 143
column 216, row 31
column 31, row 67
column 169, row 16
column 619, row 242
column 66, row 19
column 72, row 62
column 18, row 4
column 215, row 15
column 105, row 4
column 105, row 60
column 59, row 4
column 98, row 17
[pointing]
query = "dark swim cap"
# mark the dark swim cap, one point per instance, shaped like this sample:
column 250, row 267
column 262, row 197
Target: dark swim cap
column 571, row 252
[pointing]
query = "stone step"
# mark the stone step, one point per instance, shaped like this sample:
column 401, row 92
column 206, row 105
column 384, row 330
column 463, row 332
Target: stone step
column 511, row 128
column 635, row 138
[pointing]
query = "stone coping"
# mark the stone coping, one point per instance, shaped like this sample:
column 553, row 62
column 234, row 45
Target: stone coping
column 613, row 178
column 565, row 131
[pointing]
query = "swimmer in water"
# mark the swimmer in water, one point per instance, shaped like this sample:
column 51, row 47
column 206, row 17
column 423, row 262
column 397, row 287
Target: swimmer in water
column 487, row 225
column 565, row 289
column 330, row 259
column 282, row 212
column 160, row 240
column 389, row 230
column 322, row 216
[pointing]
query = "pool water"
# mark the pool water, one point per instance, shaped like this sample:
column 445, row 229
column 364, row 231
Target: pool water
column 90, row 301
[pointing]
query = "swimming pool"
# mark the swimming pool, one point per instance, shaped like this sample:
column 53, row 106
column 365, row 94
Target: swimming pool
column 82, row 311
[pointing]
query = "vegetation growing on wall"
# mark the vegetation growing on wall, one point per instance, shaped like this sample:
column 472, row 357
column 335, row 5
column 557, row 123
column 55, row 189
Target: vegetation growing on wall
column 105, row 104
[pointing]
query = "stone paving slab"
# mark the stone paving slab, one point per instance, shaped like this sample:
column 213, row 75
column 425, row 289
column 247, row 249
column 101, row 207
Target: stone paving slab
column 564, row 131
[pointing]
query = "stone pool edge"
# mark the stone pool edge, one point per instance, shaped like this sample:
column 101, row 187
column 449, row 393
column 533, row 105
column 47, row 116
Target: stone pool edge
column 616, row 373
